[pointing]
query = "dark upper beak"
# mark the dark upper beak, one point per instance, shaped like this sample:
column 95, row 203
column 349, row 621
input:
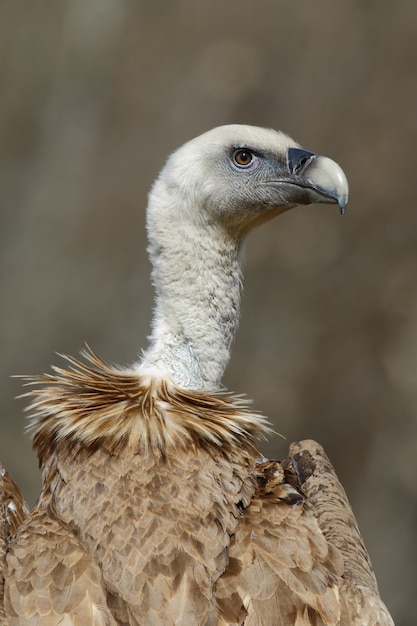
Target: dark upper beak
column 318, row 178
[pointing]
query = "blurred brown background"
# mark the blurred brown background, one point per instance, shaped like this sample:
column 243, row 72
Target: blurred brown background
column 95, row 94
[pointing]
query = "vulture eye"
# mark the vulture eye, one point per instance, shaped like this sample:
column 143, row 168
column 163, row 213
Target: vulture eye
column 242, row 157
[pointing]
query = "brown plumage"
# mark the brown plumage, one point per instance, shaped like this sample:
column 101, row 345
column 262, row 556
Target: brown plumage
column 156, row 505
column 13, row 510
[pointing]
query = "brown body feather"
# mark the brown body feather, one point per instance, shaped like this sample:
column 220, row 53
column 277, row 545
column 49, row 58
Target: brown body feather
column 143, row 523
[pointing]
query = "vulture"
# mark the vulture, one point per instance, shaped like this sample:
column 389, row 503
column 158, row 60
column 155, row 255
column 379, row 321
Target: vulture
column 157, row 507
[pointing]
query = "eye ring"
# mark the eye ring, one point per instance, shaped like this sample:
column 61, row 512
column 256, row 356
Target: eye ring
column 243, row 157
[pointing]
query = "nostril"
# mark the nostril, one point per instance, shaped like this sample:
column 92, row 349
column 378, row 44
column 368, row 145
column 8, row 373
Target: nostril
column 298, row 159
column 300, row 164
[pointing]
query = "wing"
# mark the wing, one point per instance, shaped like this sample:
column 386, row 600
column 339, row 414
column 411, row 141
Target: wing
column 13, row 510
column 282, row 570
column 318, row 481
column 51, row 580
column 297, row 556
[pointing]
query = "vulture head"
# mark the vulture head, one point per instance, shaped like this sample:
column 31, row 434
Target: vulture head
column 210, row 194
column 239, row 176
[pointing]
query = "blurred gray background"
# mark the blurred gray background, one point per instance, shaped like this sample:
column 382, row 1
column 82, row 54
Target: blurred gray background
column 95, row 94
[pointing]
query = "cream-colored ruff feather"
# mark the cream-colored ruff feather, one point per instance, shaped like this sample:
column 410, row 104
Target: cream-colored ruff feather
column 93, row 405
column 157, row 508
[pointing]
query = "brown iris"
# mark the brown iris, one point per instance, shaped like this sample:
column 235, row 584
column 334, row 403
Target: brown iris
column 243, row 157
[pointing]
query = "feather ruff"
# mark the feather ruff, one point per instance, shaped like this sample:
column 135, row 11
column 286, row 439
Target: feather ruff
column 92, row 405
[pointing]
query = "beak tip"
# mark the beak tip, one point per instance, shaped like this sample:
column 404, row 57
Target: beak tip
column 330, row 180
column 342, row 206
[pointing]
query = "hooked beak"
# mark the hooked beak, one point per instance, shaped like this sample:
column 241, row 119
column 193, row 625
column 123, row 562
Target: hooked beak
column 311, row 178
column 319, row 178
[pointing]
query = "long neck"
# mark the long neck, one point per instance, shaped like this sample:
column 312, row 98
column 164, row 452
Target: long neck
column 196, row 274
